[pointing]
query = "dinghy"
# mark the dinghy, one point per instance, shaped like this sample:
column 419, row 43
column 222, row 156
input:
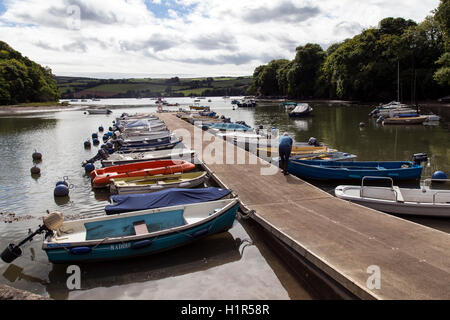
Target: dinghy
column 138, row 233
column 154, row 147
column 301, row 110
column 405, row 120
column 340, row 170
column 419, row 202
column 101, row 177
column 124, row 158
column 99, row 111
column 164, row 198
column 157, row 182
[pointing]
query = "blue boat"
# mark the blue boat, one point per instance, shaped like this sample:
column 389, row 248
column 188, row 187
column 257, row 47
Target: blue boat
column 164, row 198
column 338, row 170
column 138, row 233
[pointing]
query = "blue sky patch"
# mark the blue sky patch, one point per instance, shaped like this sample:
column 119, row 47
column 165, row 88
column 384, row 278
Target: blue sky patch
column 161, row 10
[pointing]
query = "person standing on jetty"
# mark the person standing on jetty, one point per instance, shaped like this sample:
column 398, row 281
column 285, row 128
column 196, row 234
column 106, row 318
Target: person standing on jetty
column 284, row 149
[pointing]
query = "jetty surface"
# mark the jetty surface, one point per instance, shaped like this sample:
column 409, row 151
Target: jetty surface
column 370, row 254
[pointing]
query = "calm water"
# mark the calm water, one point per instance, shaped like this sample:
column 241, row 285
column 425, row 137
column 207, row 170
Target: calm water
column 232, row 265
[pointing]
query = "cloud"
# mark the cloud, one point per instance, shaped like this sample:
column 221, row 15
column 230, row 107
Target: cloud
column 196, row 37
column 215, row 41
column 283, row 12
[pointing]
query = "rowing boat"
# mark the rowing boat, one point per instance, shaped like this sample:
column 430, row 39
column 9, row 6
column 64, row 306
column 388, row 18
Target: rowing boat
column 157, row 182
column 101, row 177
column 124, row 158
column 138, row 233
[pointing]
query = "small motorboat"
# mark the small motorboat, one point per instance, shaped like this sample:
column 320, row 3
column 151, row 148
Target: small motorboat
column 124, row 158
column 200, row 108
column 301, row 110
column 330, row 155
column 174, row 141
column 289, row 106
column 419, row 202
column 357, row 170
column 102, row 177
column 138, row 233
column 164, row 198
column 405, row 120
column 224, row 126
column 157, row 182
column 99, row 111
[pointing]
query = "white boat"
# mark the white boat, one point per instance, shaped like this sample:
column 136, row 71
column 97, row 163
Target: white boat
column 301, row 110
column 174, row 154
column 99, row 111
column 396, row 200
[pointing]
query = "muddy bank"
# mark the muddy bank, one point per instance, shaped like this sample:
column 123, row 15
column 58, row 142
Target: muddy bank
column 8, row 293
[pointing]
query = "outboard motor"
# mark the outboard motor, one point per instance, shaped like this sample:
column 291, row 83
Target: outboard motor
column 52, row 222
column 418, row 158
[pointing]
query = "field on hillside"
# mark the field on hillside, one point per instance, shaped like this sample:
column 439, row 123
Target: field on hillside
column 85, row 88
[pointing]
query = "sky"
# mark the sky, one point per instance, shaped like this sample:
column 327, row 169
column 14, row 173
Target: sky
column 184, row 38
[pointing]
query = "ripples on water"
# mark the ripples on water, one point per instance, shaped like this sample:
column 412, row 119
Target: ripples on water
column 220, row 267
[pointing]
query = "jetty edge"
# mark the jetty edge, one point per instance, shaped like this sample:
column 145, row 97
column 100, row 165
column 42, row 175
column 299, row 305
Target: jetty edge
column 342, row 240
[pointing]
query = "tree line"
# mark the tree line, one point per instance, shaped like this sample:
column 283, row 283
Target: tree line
column 366, row 67
column 22, row 80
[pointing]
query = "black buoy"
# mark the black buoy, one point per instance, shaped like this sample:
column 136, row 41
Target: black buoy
column 94, row 136
column 35, row 170
column 87, row 144
column 101, row 129
column 37, row 156
column 96, row 142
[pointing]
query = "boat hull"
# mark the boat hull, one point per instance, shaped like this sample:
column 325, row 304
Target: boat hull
column 393, row 205
column 329, row 170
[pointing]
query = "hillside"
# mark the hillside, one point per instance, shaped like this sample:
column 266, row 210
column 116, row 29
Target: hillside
column 85, row 88
column 22, row 80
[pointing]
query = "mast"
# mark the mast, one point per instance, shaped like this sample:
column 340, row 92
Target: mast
column 398, row 80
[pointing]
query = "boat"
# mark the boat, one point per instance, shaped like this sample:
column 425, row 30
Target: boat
column 288, row 105
column 247, row 103
column 343, row 170
column 102, row 177
column 148, row 148
column 224, row 126
column 99, row 111
column 164, row 198
column 296, row 149
column 405, row 201
column 301, row 110
column 330, row 155
column 157, row 182
column 201, row 108
column 138, row 233
column 124, row 158
column 405, row 120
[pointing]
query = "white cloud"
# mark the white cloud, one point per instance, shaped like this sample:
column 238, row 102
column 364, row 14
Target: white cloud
column 210, row 37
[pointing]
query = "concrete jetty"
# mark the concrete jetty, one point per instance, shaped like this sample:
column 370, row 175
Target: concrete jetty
column 371, row 254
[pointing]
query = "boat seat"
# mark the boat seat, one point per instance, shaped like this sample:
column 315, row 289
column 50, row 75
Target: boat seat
column 140, row 228
column 399, row 194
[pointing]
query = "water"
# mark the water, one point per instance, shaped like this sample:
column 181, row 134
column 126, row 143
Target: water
column 232, row 265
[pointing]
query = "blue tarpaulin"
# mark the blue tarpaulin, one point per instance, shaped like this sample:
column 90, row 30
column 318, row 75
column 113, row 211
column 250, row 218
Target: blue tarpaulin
column 164, row 198
column 137, row 123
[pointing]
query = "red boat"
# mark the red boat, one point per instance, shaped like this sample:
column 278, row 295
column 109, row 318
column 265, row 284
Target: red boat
column 101, row 177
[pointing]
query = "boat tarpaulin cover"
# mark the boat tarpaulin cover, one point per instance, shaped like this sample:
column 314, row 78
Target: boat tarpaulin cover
column 137, row 123
column 164, row 198
column 230, row 126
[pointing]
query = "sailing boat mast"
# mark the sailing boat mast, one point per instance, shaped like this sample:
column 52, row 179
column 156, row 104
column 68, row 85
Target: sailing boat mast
column 398, row 80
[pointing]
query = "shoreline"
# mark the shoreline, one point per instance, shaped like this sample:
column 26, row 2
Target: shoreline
column 26, row 110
